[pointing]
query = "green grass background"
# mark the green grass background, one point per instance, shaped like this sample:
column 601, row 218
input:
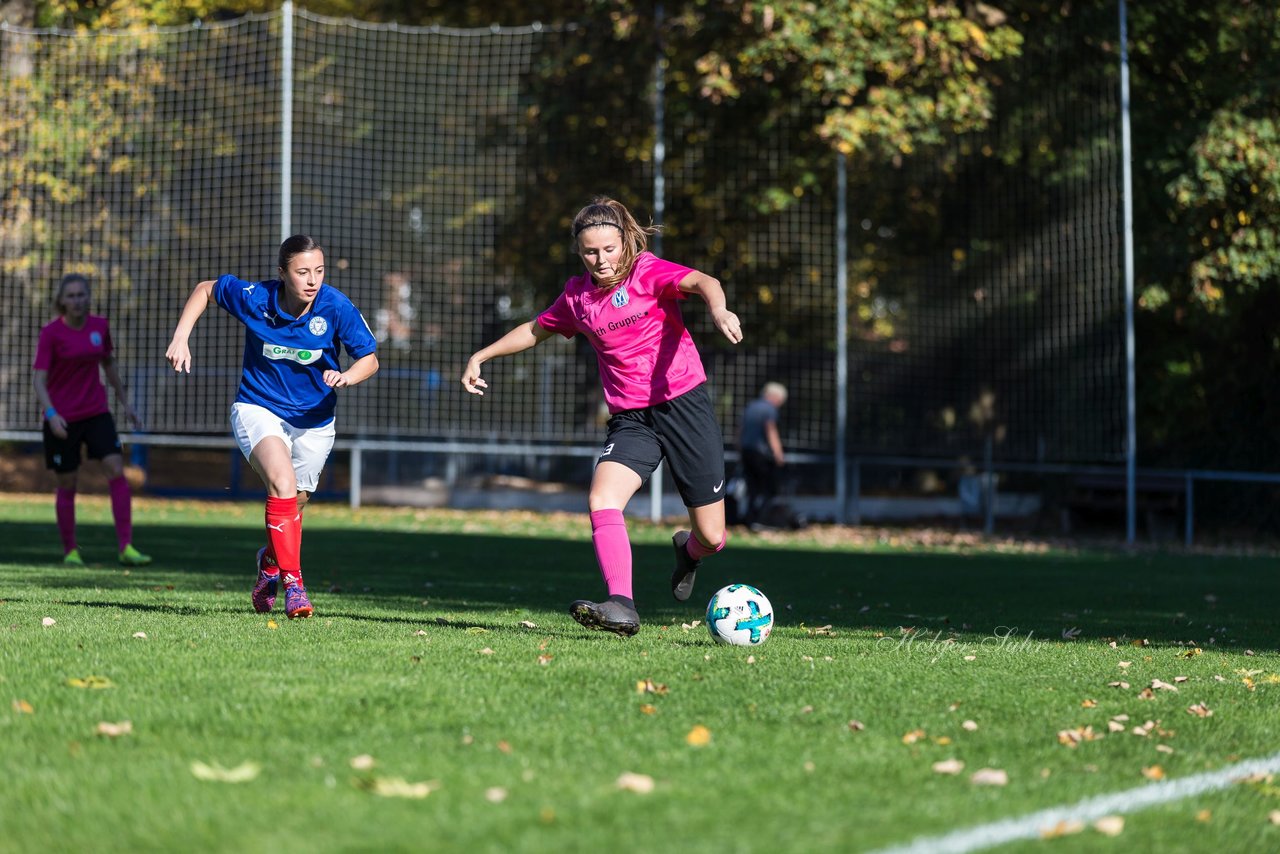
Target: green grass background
column 391, row 667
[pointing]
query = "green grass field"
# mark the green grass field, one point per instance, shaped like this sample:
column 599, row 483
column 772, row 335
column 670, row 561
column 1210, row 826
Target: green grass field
column 442, row 699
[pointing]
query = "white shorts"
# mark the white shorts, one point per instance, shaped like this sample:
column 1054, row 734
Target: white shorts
column 309, row 447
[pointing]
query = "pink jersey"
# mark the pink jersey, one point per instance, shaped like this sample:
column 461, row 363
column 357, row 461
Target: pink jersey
column 646, row 355
column 72, row 357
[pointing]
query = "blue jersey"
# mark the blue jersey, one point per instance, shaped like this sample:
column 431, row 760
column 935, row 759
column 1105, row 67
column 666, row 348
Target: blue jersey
column 285, row 357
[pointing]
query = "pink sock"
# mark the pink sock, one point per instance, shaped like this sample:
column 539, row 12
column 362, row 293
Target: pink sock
column 613, row 550
column 121, row 510
column 64, row 506
column 698, row 551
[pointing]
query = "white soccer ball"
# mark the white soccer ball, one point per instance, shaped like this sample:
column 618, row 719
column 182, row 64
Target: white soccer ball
column 739, row 615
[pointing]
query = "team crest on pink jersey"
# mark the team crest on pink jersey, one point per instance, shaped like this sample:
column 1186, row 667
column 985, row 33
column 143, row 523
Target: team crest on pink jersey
column 620, row 297
column 95, row 338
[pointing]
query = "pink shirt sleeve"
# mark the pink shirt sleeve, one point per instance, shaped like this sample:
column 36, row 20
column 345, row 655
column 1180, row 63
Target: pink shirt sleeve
column 559, row 317
column 44, row 350
column 666, row 276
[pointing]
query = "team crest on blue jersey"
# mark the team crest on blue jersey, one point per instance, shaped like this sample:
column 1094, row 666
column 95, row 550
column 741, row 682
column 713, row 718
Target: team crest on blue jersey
column 620, row 297
column 95, row 338
column 318, row 326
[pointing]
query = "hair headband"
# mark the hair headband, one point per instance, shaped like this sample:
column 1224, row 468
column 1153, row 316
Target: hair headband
column 593, row 224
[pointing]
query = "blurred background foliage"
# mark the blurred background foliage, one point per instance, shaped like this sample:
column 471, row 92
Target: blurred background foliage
column 905, row 89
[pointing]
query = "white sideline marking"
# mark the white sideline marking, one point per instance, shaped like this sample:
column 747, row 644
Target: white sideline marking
column 1090, row 809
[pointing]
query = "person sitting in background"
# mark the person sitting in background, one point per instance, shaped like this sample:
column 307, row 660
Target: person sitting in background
column 761, row 447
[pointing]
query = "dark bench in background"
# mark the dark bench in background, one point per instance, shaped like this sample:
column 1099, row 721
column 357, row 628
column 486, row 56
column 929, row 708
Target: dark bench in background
column 1159, row 500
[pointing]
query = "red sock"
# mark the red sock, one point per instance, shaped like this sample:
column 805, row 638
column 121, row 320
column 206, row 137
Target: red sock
column 284, row 537
column 698, row 551
column 613, row 550
column 121, row 510
column 64, row 507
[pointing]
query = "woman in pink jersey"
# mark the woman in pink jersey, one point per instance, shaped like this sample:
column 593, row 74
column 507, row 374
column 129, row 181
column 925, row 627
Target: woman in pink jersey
column 627, row 306
column 69, row 354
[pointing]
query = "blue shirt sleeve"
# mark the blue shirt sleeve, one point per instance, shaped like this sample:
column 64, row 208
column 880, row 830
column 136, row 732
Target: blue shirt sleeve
column 236, row 296
column 354, row 332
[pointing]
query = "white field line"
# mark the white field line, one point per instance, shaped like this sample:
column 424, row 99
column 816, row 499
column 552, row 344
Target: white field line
column 1091, row 809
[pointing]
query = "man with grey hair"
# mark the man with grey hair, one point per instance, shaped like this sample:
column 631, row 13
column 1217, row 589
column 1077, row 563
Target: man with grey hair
column 761, row 447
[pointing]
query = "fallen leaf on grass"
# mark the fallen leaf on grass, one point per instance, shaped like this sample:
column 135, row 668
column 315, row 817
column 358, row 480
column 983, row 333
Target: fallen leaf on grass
column 528, row 624
column 114, row 730
column 495, row 794
column 215, row 773
column 913, row 736
column 1110, row 825
column 48, row 621
column 545, row 659
column 648, row 709
column 948, row 766
column 1073, row 737
column 1274, row 816
column 1066, row 827
column 970, row 726
column 485, row 651
column 820, row 631
column 699, row 736
column 689, row 626
column 1178, row 680
column 477, row 630
column 363, row 762
column 1204, row 816
column 1155, row 772
column 856, row 726
column 1200, row 710
column 1164, row 748
column 96, row 683
column 396, row 787
column 1088, row 704
column 641, row 784
column 989, row 777
column 1146, row 694
column 1163, row 686
column 1123, row 664
column 272, row 624
column 1123, row 686
column 140, row 635
column 648, row 686
column 22, row 707
column 1191, row 653
column 420, row 633
column 504, row 746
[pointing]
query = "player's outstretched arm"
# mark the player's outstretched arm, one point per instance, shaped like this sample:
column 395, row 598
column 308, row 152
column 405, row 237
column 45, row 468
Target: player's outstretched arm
column 524, row 336
column 359, row 371
column 708, row 287
column 179, row 353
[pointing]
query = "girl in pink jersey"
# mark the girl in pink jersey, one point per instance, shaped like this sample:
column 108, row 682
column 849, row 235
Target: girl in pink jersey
column 626, row 303
column 69, row 354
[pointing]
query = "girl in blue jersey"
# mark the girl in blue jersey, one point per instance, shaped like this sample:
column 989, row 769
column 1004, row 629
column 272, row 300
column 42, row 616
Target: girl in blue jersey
column 282, row 417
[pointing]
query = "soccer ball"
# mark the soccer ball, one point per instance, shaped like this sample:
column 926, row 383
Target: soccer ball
column 739, row 615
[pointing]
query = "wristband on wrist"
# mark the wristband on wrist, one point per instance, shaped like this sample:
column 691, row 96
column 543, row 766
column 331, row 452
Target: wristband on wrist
column 49, row 413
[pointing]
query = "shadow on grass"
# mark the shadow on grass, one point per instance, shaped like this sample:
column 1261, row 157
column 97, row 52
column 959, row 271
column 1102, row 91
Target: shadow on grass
column 433, row 577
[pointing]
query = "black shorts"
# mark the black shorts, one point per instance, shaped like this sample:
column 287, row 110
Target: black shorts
column 684, row 432
column 97, row 433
